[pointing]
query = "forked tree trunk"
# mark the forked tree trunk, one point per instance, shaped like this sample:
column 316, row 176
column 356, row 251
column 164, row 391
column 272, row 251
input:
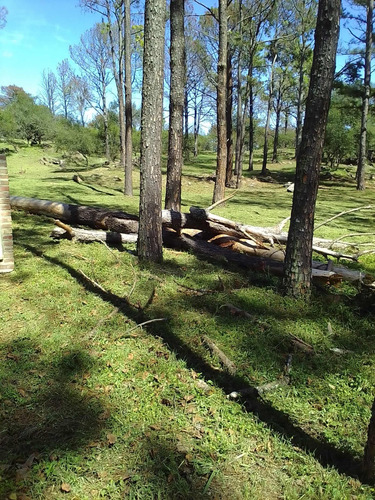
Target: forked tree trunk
column 176, row 106
column 297, row 279
column 150, row 245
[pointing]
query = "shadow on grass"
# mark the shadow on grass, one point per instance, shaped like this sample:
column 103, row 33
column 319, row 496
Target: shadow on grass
column 276, row 420
column 45, row 412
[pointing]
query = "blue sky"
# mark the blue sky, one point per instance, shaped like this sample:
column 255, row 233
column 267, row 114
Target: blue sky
column 37, row 36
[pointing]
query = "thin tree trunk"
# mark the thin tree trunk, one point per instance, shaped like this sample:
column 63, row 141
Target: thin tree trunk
column 128, row 103
column 240, row 150
column 297, row 277
column 229, row 118
column 277, row 128
column 186, row 126
column 267, row 126
column 117, row 69
column 150, row 221
column 176, row 106
column 239, row 102
column 197, row 120
column 219, row 189
column 251, row 118
column 366, row 99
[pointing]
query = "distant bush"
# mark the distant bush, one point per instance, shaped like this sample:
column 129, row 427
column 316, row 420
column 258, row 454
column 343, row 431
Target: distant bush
column 72, row 137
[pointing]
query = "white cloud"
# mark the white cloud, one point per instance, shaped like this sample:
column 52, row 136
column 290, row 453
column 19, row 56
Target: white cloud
column 6, row 54
column 61, row 39
column 11, row 38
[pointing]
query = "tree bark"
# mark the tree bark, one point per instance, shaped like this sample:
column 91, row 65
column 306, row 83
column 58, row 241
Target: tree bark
column 150, row 245
column 128, row 103
column 297, row 278
column 269, row 106
column 219, row 190
column 275, row 158
column 117, row 69
column 251, row 119
column 369, row 455
column 366, row 99
column 229, row 119
column 176, row 105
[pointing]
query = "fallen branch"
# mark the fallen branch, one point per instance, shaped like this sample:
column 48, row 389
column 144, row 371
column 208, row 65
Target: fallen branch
column 86, row 236
column 220, row 202
column 235, row 311
column 143, row 324
column 302, row 345
column 228, row 364
column 341, row 214
column 92, row 281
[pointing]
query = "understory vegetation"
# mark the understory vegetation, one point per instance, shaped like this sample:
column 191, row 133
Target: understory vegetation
column 92, row 406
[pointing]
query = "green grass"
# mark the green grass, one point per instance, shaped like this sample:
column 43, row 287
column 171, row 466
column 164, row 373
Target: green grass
column 117, row 412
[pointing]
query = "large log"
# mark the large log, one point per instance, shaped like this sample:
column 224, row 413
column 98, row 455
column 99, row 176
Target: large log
column 122, row 222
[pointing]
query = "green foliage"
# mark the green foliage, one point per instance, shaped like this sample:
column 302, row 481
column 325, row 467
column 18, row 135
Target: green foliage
column 72, row 137
column 341, row 140
column 22, row 118
column 113, row 134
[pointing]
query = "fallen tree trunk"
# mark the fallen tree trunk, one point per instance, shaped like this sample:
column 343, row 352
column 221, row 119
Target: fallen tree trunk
column 262, row 258
column 123, row 222
column 320, row 271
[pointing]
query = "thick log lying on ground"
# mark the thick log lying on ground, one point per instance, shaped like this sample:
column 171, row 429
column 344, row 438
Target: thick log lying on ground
column 244, row 236
column 100, row 218
column 123, row 222
column 321, row 272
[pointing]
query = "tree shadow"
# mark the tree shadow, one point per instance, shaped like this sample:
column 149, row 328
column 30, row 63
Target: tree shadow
column 46, row 412
column 276, row 420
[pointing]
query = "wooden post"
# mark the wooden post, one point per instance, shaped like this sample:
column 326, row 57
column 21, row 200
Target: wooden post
column 6, row 240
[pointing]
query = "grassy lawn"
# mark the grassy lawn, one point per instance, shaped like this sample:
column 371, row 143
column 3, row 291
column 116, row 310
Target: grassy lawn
column 92, row 407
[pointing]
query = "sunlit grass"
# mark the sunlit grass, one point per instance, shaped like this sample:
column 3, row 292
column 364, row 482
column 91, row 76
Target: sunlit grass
column 117, row 412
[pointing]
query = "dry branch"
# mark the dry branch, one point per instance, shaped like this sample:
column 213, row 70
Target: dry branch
column 228, row 364
column 83, row 235
column 341, row 214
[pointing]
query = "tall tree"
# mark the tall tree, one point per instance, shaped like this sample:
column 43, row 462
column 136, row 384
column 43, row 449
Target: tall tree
column 176, row 105
column 48, row 96
column 81, row 97
column 64, row 77
column 92, row 56
column 116, row 14
column 219, row 189
column 128, row 102
column 366, row 96
column 297, row 269
column 150, row 223
column 272, row 57
column 303, row 18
